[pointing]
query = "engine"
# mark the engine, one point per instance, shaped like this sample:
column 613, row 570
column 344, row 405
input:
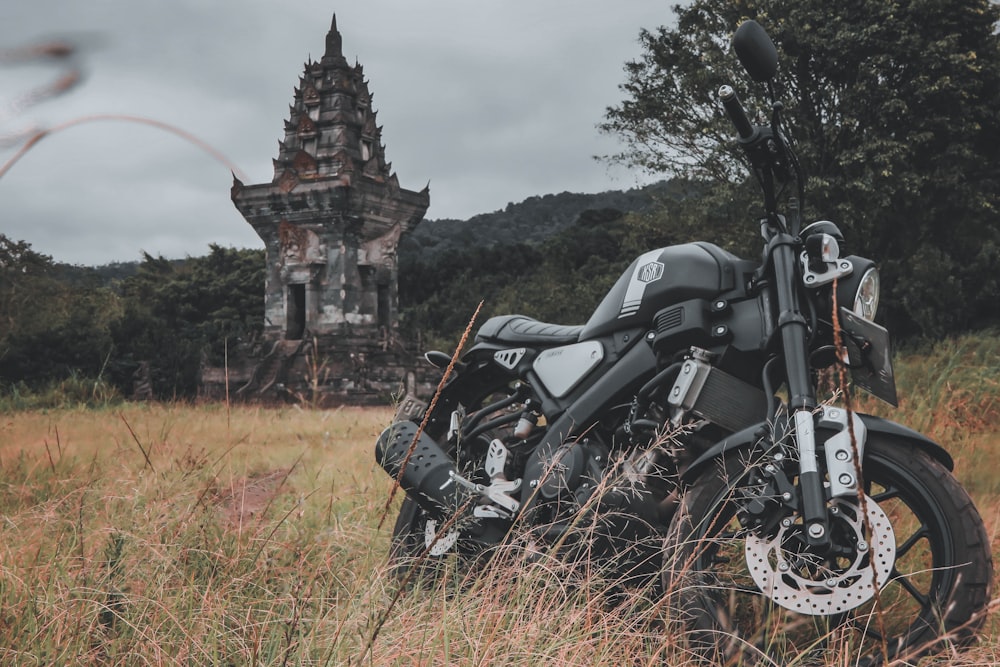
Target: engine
column 594, row 504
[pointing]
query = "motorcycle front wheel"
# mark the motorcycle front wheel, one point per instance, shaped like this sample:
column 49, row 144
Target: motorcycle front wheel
column 935, row 562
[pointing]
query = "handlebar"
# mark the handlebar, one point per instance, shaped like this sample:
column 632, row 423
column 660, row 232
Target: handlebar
column 734, row 109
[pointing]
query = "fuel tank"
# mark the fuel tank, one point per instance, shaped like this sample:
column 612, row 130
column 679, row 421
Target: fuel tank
column 658, row 279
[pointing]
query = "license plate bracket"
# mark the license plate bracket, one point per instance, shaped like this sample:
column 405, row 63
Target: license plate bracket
column 870, row 356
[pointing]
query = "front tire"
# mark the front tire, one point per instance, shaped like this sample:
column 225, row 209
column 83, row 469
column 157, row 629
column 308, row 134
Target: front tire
column 935, row 595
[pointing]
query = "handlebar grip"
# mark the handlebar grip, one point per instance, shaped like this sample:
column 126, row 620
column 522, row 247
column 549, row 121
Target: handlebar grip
column 734, row 109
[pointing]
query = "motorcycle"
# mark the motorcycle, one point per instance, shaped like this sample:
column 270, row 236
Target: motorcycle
column 683, row 420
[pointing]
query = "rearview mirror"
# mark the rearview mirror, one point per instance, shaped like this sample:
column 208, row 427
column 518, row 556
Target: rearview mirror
column 756, row 51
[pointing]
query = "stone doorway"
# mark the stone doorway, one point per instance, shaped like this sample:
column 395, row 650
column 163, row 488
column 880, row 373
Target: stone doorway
column 295, row 324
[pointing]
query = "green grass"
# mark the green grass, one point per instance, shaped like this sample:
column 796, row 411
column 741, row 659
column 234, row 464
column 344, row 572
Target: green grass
column 73, row 392
column 172, row 534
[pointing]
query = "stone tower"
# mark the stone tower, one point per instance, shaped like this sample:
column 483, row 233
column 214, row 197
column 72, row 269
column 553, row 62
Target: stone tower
column 330, row 219
column 332, row 215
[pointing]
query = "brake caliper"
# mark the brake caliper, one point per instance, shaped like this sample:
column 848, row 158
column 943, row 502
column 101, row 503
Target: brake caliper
column 769, row 499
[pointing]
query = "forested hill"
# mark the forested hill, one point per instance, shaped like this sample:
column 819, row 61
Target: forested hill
column 531, row 221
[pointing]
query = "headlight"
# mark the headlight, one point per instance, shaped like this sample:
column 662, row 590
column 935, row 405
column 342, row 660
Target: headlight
column 858, row 292
column 866, row 296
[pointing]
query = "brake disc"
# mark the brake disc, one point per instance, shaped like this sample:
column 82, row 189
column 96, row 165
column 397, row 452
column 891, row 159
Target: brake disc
column 444, row 543
column 807, row 583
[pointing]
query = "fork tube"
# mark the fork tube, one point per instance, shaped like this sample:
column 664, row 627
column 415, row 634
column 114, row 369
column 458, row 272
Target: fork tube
column 802, row 394
column 791, row 322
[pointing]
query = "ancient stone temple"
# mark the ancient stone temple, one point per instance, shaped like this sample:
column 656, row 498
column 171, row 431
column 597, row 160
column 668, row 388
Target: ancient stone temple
column 330, row 219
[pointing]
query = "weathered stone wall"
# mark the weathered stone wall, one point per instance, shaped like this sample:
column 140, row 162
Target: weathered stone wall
column 346, row 371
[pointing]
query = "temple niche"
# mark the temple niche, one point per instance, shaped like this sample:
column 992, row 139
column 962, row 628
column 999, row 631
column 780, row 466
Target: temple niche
column 330, row 219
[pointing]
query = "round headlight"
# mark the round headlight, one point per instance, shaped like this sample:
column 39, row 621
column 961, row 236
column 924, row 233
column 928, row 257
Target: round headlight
column 866, row 297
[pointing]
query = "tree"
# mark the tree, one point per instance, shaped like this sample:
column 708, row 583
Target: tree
column 181, row 313
column 893, row 107
column 58, row 321
column 49, row 328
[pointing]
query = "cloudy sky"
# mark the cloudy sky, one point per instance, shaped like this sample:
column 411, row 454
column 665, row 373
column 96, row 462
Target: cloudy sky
column 491, row 101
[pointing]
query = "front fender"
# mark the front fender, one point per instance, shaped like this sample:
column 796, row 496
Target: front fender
column 895, row 431
column 749, row 438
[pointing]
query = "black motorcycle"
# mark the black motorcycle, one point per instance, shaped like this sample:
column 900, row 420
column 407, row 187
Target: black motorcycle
column 681, row 426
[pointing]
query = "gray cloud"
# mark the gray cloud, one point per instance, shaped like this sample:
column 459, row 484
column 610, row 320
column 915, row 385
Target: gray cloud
column 489, row 101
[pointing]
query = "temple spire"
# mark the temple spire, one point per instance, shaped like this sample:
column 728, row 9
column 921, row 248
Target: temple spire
column 334, row 42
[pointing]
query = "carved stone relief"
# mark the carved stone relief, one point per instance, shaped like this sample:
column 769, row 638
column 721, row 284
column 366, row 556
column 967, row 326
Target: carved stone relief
column 381, row 251
column 298, row 245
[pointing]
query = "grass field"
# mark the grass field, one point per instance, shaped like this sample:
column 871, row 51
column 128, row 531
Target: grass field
column 172, row 534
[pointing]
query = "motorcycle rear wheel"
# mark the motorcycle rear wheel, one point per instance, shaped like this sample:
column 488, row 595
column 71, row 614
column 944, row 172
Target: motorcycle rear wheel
column 417, row 551
column 408, row 549
column 935, row 595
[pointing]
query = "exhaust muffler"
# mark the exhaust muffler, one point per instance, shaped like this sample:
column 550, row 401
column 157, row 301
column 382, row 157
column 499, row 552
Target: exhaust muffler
column 430, row 474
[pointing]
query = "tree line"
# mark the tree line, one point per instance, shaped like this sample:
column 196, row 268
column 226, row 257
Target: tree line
column 59, row 321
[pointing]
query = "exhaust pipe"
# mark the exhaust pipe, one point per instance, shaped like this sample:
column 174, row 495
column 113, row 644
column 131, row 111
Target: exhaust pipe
column 428, row 477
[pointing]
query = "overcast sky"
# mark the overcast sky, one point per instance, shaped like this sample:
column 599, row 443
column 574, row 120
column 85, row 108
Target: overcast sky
column 491, row 101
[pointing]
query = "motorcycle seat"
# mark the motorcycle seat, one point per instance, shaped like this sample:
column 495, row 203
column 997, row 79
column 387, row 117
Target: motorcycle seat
column 521, row 330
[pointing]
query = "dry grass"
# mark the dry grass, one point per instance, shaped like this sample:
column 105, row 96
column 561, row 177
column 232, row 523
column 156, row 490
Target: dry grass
column 163, row 534
column 178, row 534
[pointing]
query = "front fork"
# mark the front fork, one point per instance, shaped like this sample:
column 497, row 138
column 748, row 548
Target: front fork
column 841, row 448
column 774, row 499
column 794, row 332
column 811, row 481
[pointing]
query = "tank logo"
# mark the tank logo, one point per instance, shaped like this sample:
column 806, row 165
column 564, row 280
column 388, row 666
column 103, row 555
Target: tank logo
column 647, row 269
column 650, row 272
